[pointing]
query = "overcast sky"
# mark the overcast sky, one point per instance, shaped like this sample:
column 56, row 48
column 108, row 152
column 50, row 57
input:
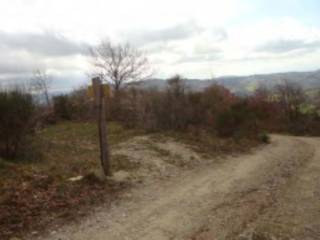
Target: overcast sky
column 196, row 38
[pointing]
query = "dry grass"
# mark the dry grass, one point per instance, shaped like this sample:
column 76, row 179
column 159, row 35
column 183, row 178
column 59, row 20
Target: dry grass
column 208, row 145
column 37, row 191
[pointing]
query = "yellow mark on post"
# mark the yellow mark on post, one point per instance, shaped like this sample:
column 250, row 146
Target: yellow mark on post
column 106, row 90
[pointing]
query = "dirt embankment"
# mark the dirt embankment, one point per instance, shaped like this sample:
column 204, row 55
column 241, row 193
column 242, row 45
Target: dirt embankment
column 272, row 193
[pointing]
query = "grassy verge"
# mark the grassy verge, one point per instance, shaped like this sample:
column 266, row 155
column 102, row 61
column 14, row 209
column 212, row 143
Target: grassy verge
column 35, row 192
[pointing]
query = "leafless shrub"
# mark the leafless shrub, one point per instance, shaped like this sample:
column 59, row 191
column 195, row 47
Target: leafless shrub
column 74, row 106
column 17, row 120
column 290, row 97
column 41, row 83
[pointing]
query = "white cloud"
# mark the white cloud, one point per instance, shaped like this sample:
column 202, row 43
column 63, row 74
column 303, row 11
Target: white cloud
column 91, row 19
column 194, row 38
column 245, row 39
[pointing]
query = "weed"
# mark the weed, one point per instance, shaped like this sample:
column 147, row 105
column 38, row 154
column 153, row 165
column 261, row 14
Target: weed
column 264, row 137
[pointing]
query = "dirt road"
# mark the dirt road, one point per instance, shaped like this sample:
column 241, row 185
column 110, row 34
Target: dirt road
column 272, row 193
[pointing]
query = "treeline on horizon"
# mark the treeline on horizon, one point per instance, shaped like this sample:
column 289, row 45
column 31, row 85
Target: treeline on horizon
column 284, row 108
column 215, row 111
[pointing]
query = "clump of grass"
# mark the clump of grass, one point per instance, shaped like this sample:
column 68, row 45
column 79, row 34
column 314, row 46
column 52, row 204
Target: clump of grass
column 160, row 151
column 92, row 178
column 264, row 137
column 176, row 160
column 208, row 145
column 122, row 162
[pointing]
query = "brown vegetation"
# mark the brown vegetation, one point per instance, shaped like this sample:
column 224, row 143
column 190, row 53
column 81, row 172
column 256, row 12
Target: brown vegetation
column 218, row 111
column 39, row 192
column 16, row 121
column 213, row 121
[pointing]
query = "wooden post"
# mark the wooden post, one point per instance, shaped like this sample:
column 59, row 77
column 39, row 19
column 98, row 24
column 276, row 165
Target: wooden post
column 100, row 109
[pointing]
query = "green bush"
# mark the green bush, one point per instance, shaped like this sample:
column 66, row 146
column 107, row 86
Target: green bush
column 264, row 137
column 239, row 120
column 17, row 120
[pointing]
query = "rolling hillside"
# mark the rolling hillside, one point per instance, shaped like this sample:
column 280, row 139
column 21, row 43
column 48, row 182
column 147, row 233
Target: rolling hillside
column 245, row 84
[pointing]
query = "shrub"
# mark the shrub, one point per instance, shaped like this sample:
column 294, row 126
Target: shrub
column 226, row 124
column 62, row 107
column 16, row 121
column 240, row 120
column 264, row 137
column 74, row 106
column 81, row 105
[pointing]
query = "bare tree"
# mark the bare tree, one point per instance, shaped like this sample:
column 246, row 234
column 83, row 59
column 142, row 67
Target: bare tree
column 41, row 83
column 290, row 96
column 120, row 64
column 263, row 93
column 176, row 86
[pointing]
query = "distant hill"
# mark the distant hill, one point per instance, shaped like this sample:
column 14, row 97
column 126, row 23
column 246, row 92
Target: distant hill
column 245, row 84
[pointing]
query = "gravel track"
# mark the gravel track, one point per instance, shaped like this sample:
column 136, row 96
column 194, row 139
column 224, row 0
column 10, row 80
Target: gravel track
column 273, row 191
